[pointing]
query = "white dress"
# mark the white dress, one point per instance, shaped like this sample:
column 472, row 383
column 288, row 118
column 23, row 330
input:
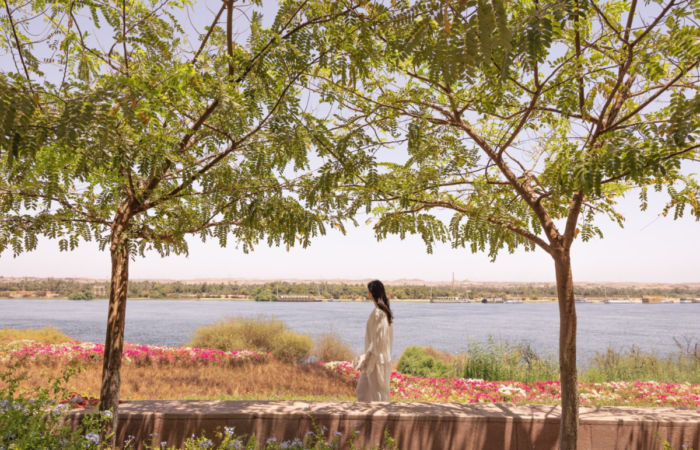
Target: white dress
column 375, row 363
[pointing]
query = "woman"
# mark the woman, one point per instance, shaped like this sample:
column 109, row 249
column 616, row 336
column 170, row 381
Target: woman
column 375, row 363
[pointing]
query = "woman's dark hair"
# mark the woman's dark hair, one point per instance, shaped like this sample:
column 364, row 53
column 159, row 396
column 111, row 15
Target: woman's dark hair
column 377, row 289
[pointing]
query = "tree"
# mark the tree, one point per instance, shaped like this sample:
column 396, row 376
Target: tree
column 525, row 120
column 265, row 295
column 129, row 134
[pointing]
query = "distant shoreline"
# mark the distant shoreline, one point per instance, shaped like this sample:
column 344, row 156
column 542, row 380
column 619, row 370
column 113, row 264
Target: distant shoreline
column 399, row 282
column 203, row 299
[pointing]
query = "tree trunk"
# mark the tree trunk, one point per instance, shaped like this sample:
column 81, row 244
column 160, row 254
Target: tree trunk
column 114, row 341
column 568, row 430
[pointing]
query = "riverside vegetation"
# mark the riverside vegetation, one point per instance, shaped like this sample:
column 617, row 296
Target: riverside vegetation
column 40, row 366
column 261, row 358
column 75, row 290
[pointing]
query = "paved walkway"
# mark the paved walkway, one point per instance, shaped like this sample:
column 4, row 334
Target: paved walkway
column 417, row 426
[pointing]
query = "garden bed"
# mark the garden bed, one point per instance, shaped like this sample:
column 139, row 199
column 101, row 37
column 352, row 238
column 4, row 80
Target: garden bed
column 178, row 373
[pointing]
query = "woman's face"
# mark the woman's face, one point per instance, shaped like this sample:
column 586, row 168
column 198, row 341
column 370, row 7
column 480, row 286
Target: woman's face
column 371, row 297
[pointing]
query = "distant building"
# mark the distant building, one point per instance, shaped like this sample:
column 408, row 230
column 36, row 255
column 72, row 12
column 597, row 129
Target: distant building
column 492, row 300
column 98, row 290
column 296, row 298
column 448, row 300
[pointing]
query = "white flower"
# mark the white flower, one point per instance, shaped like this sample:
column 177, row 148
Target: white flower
column 93, row 437
column 107, row 414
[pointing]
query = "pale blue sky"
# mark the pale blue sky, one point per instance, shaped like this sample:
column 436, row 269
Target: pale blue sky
column 665, row 251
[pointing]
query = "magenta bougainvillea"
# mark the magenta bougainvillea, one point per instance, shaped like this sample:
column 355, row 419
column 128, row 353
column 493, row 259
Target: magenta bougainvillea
column 461, row 390
column 133, row 353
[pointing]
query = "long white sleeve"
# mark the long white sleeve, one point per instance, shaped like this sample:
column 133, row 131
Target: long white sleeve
column 377, row 343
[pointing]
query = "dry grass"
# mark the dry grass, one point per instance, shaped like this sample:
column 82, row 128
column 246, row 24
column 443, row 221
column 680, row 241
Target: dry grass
column 274, row 380
column 260, row 334
column 330, row 346
column 48, row 334
column 448, row 358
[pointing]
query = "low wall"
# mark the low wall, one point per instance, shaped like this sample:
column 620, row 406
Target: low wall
column 416, row 426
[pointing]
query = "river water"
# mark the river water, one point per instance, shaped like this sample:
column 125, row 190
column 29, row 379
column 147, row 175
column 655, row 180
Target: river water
column 443, row 326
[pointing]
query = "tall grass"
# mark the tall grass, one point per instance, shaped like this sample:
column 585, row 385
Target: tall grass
column 330, row 346
column 636, row 365
column 501, row 361
column 505, row 361
column 48, row 334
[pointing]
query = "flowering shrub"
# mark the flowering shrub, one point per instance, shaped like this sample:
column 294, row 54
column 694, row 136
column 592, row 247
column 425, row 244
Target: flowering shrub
column 33, row 420
column 140, row 354
column 228, row 440
column 408, row 388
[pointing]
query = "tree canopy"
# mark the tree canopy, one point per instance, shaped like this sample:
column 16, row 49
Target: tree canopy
column 195, row 137
column 525, row 120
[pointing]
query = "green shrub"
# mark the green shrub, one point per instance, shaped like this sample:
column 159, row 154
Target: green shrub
column 86, row 295
column 494, row 362
column 519, row 362
column 415, row 361
column 265, row 295
column 48, row 334
column 261, row 333
column 330, row 346
column 291, row 346
column 503, row 362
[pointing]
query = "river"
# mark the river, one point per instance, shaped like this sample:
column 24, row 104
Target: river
column 443, row 326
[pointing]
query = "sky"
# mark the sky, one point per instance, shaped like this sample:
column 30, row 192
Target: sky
column 648, row 249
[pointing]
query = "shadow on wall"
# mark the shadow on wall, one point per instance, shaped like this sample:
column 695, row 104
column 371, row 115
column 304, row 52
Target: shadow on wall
column 415, row 426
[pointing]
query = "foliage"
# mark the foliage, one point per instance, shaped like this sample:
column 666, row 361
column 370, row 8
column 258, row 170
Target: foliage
column 33, row 420
column 416, row 361
column 506, row 361
column 62, row 288
column 48, row 335
column 140, row 146
column 261, row 333
column 264, row 296
column 291, row 346
column 84, row 295
column 516, row 136
column 407, row 388
column 501, row 361
column 634, row 364
column 313, row 440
